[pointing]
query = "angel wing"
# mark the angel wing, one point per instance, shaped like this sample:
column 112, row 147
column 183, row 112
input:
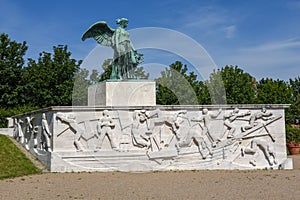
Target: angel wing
column 101, row 32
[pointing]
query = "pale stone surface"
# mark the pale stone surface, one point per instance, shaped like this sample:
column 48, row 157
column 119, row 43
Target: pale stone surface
column 7, row 131
column 10, row 122
column 10, row 128
column 156, row 138
column 122, row 94
column 288, row 164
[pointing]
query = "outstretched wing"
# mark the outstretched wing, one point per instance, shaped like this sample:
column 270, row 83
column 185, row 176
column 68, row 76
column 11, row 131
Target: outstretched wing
column 101, row 32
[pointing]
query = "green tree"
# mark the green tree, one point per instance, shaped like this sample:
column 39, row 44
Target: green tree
column 240, row 87
column 50, row 80
column 293, row 113
column 271, row 91
column 216, row 88
column 141, row 74
column 107, row 69
column 203, row 93
column 175, row 87
column 80, row 89
column 11, row 65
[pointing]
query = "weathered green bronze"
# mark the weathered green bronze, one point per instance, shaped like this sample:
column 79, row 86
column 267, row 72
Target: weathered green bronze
column 126, row 57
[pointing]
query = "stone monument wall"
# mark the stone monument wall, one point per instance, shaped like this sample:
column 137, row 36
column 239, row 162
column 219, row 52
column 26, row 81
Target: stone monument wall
column 156, row 137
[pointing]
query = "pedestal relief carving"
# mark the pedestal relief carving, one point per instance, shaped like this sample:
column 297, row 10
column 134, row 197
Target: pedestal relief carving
column 18, row 132
column 46, row 134
column 105, row 128
column 157, row 138
column 70, row 120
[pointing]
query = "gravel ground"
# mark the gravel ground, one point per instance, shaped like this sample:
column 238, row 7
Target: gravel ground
column 258, row 184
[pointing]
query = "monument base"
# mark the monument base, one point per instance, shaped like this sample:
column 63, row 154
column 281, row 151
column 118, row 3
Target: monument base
column 145, row 138
column 122, row 94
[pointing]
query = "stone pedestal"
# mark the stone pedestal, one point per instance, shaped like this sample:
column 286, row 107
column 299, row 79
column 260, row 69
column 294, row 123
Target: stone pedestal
column 122, row 94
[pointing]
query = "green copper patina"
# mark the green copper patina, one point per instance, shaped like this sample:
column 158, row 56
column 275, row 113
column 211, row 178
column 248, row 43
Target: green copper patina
column 126, row 57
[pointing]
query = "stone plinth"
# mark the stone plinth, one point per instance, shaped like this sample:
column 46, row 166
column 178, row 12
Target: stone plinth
column 122, row 94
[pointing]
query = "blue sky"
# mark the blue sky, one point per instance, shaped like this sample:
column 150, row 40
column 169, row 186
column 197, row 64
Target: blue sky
column 260, row 36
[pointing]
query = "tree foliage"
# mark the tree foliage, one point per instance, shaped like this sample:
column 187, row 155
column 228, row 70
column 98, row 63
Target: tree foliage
column 239, row 86
column 228, row 85
column 80, row 89
column 271, row 91
column 203, row 93
column 293, row 113
column 50, row 80
column 175, row 87
column 107, row 69
column 216, row 88
column 11, row 64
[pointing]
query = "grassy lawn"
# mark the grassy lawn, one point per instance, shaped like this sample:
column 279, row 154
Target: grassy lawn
column 13, row 162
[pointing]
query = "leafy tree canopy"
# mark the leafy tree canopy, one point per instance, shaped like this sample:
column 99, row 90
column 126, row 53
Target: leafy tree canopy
column 175, row 87
column 50, row 80
column 11, row 64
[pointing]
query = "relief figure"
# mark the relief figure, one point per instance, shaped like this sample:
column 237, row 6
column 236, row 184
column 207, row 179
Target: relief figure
column 46, row 134
column 70, row 120
column 104, row 128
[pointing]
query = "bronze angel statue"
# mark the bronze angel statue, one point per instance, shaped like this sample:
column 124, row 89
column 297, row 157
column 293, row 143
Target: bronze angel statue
column 126, row 57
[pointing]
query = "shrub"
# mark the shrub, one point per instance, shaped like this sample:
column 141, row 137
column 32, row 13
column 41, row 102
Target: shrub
column 292, row 135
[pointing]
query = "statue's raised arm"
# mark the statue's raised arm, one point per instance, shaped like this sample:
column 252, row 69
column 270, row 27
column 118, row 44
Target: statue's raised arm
column 126, row 57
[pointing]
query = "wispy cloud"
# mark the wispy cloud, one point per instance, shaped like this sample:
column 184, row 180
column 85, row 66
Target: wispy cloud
column 204, row 18
column 230, row 31
column 274, row 59
column 278, row 45
column 211, row 21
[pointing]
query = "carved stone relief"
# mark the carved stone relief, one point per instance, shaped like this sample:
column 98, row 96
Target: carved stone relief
column 46, row 134
column 18, row 132
column 166, row 137
column 70, row 120
column 105, row 127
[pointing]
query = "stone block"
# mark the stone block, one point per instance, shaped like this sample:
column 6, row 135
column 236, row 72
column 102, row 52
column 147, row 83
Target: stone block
column 122, row 94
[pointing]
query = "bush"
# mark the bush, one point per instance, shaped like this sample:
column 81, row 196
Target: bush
column 292, row 134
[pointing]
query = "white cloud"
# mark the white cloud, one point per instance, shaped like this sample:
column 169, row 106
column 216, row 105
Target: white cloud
column 211, row 22
column 203, row 20
column 272, row 60
column 279, row 45
column 230, row 31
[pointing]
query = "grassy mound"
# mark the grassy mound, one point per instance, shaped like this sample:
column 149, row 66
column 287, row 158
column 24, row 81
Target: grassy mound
column 13, row 162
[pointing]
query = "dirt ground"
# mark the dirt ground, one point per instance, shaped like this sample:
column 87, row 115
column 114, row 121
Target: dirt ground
column 259, row 184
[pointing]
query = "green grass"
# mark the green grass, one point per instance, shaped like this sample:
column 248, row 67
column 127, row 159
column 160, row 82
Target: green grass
column 13, row 162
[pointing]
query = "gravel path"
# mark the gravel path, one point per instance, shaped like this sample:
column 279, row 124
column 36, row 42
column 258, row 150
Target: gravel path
column 219, row 184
